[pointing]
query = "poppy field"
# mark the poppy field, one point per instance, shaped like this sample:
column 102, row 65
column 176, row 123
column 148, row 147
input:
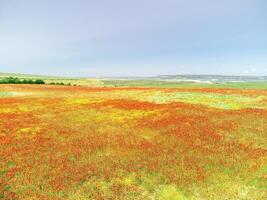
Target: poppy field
column 67, row 142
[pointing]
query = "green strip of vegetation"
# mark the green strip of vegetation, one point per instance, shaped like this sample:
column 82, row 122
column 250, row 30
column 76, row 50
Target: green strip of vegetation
column 61, row 83
column 15, row 80
column 176, row 84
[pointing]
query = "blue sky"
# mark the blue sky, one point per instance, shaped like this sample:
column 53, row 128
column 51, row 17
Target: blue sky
column 133, row 37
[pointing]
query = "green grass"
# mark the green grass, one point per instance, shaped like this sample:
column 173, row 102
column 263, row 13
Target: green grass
column 221, row 101
column 10, row 94
column 4, row 94
column 168, row 84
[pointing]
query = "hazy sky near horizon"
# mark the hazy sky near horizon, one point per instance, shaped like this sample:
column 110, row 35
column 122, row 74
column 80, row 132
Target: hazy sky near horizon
column 133, row 37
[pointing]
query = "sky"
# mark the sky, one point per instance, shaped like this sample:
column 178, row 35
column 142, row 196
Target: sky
column 133, row 37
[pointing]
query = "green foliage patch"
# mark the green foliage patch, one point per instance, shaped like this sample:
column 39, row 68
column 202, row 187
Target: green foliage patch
column 15, row 80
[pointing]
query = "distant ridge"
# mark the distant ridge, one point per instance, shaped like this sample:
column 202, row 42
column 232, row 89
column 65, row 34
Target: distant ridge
column 173, row 78
column 212, row 78
column 27, row 75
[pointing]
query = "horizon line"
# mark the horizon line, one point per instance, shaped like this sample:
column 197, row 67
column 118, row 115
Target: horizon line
column 127, row 76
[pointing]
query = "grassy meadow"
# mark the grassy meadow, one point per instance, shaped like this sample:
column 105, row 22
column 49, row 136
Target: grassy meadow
column 133, row 140
column 183, row 84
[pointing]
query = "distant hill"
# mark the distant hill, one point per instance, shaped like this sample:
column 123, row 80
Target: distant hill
column 190, row 78
column 212, row 78
column 165, row 81
column 27, row 76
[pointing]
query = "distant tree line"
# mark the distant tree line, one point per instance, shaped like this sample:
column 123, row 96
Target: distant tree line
column 15, row 80
column 61, row 83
